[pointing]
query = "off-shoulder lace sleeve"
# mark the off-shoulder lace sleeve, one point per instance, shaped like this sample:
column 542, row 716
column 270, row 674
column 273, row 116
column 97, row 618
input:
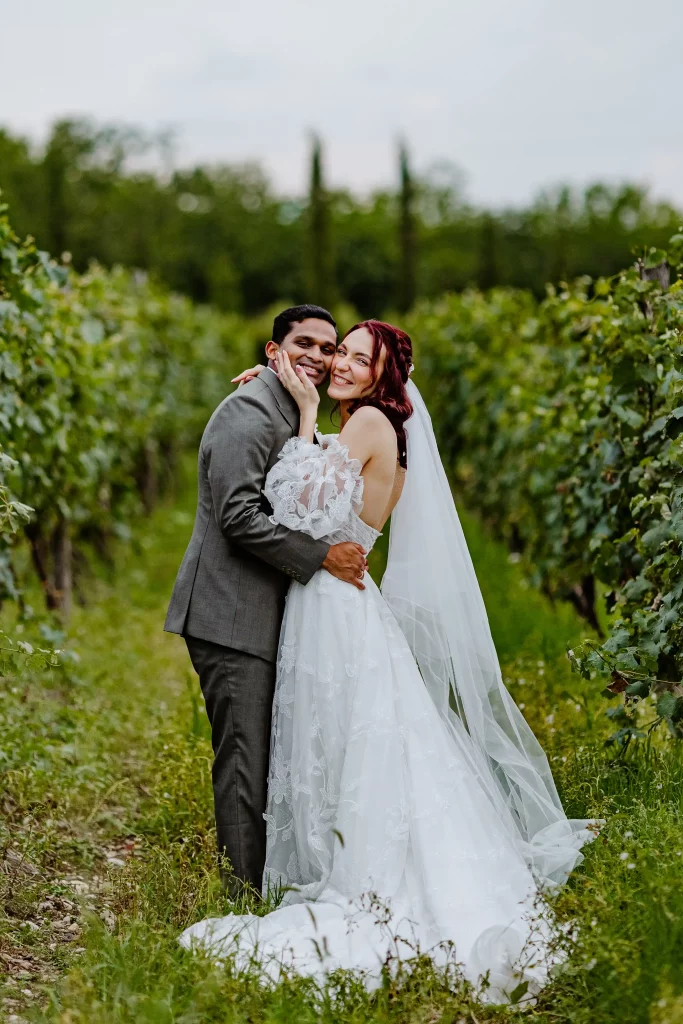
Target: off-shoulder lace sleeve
column 314, row 488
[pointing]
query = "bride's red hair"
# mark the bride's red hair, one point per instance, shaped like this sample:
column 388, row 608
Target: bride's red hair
column 389, row 395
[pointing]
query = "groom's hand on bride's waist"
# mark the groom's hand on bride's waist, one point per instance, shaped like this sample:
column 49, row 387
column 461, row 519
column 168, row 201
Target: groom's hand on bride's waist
column 347, row 562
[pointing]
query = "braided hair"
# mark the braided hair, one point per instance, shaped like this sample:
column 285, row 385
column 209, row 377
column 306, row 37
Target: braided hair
column 389, row 394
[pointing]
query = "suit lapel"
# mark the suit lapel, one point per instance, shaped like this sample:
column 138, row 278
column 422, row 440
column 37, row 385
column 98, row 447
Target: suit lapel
column 283, row 399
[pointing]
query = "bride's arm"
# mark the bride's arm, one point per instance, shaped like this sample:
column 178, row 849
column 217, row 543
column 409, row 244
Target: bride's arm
column 316, row 487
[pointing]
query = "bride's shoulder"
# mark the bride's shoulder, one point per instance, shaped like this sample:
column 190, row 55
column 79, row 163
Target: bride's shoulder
column 369, row 417
column 372, row 426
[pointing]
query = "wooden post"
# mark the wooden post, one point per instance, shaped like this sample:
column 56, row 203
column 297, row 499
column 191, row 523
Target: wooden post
column 63, row 570
column 661, row 274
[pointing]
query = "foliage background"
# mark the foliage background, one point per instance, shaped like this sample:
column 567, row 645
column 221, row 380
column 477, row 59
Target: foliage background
column 221, row 234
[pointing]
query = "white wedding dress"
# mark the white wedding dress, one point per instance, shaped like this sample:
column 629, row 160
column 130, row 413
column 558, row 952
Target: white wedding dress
column 390, row 827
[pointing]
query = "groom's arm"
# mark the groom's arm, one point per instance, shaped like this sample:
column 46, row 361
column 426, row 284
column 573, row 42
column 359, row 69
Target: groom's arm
column 236, row 452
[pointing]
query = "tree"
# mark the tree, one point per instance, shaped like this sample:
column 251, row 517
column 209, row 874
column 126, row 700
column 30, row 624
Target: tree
column 407, row 235
column 321, row 262
column 487, row 273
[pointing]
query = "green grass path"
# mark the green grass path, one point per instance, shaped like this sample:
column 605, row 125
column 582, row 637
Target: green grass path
column 107, row 843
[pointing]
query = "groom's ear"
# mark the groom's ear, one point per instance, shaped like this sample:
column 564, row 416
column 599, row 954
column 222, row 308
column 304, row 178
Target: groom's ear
column 272, row 348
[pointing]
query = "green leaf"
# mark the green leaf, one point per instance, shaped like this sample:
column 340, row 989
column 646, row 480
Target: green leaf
column 628, row 416
column 639, row 688
column 519, row 992
column 654, row 258
column 92, row 331
column 674, row 426
column 666, row 705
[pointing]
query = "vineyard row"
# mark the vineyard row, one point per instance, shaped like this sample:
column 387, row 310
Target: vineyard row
column 560, row 421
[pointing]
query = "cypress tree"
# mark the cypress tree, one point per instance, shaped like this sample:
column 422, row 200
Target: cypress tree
column 321, row 265
column 55, row 167
column 487, row 272
column 407, row 234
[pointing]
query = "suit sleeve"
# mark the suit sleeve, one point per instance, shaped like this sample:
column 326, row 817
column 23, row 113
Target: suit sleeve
column 236, row 452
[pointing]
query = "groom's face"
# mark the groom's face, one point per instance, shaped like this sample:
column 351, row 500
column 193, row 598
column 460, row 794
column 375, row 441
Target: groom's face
column 311, row 345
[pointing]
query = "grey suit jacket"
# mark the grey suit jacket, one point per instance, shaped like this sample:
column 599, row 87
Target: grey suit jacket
column 232, row 582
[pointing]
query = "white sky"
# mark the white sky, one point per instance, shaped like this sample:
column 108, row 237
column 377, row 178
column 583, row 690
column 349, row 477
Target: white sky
column 519, row 94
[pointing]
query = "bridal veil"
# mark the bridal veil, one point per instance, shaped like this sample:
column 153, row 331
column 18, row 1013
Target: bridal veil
column 431, row 587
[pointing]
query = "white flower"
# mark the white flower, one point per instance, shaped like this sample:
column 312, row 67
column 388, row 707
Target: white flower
column 570, row 654
column 623, row 856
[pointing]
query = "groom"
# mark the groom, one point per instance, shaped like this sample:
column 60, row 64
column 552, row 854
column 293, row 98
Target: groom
column 229, row 595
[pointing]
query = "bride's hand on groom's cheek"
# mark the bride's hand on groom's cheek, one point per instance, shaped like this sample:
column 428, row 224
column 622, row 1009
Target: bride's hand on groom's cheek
column 297, row 382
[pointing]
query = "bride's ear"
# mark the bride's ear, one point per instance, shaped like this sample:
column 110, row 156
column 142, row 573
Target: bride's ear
column 272, row 348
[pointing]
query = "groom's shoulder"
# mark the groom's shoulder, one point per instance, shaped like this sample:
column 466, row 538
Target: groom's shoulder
column 251, row 396
column 254, row 391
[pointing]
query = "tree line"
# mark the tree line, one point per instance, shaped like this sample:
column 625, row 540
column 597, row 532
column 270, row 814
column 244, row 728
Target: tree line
column 223, row 235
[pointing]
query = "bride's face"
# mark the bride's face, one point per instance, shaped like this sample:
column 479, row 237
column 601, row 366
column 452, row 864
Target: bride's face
column 351, row 375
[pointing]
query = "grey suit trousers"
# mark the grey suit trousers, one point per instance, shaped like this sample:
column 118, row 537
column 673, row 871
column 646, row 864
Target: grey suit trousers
column 238, row 691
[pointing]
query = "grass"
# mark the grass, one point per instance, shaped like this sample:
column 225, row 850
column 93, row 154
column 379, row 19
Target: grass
column 107, row 839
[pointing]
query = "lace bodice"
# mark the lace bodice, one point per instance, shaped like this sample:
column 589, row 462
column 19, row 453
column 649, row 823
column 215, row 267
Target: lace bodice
column 318, row 489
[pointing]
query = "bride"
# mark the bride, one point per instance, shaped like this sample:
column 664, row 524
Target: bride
column 410, row 808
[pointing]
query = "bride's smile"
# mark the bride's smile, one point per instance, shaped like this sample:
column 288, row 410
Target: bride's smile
column 353, row 374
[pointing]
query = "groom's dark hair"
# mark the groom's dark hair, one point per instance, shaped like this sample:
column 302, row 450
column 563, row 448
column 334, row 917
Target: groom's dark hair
column 282, row 324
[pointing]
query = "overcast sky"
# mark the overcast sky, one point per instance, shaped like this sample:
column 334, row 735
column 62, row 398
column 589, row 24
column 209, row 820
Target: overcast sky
column 521, row 94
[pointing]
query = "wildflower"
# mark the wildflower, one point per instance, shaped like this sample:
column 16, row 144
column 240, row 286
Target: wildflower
column 628, row 835
column 623, row 856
